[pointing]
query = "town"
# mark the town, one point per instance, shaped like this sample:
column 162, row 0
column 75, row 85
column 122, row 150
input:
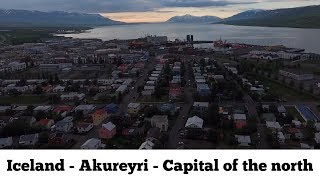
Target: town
column 153, row 93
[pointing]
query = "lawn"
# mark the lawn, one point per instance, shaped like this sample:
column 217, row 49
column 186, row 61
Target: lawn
column 23, row 99
column 292, row 110
column 283, row 91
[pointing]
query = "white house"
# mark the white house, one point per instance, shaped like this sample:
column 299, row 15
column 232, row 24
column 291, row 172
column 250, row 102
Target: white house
column 281, row 137
column 194, row 122
column 160, row 122
column 71, row 96
column 92, row 143
column 17, row 66
column 147, row 145
column 5, row 142
column 244, row 141
column 58, row 89
column 273, row 125
column 29, row 140
column 42, row 108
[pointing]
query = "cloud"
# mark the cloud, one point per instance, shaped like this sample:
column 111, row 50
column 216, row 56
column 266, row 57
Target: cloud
column 200, row 3
column 92, row 6
column 112, row 6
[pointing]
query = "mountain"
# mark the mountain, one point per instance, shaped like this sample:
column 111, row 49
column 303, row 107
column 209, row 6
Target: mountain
column 24, row 18
column 194, row 19
column 301, row 17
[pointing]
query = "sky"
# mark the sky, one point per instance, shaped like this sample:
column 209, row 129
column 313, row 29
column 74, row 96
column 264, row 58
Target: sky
column 153, row 10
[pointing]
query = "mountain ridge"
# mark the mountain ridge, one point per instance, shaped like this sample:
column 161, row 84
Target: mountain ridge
column 193, row 19
column 25, row 18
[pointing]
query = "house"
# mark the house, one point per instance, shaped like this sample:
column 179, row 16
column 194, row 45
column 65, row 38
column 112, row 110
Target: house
column 99, row 116
column 201, row 107
column 92, row 143
column 317, row 126
column 6, row 142
column 107, row 131
column 83, row 127
column 203, row 89
column 281, row 137
column 175, row 93
column 134, row 108
column 72, row 96
column 150, row 89
column 47, row 123
column 3, row 109
column 147, row 145
column 122, row 89
column 273, row 125
column 268, row 117
column 61, row 109
column 194, row 123
column 160, row 122
column 20, row 108
column 297, row 123
column 58, row 89
column 306, row 146
column 42, row 108
column 112, row 108
column 240, row 120
column 244, row 141
column 317, row 137
column 58, row 138
column 281, row 109
column 28, row 140
column 86, row 109
column 64, row 125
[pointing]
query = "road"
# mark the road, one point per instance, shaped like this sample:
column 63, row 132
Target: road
column 182, row 118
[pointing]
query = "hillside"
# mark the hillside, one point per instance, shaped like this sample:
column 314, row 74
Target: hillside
column 23, row 18
column 194, row 19
column 302, row 17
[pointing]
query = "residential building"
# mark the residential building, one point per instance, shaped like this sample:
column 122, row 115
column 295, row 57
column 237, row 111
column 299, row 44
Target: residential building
column 203, row 89
column 160, row 122
column 6, row 142
column 146, row 145
column 99, row 116
column 107, row 131
column 83, row 127
column 92, row 143
column 28, row 140
column 134, row 108
column 296, row 76
column 64, row 125
column 244, row 141
column 86, row 109
column 72, row 96
column 201, row 107
column 194, row 123
column 47, row 123
column 240, row 120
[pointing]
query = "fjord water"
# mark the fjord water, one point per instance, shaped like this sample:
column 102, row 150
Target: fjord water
column 308, row 39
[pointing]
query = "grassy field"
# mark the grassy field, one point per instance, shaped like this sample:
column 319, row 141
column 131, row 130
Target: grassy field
column 283, row 91
column 22, row 99
column 292, row 110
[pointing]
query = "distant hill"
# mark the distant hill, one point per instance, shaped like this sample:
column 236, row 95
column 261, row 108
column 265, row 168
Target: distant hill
column 24, row 18
column 301, row 17
column 194, row 19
